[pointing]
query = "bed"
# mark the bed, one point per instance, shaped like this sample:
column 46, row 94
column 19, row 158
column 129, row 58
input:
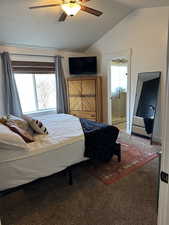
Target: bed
column 49, row 154
column 62, row 147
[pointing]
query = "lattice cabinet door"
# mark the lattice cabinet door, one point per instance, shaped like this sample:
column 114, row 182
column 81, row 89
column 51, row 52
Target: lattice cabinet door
column 89, row 104
column 89, row 95
column 75, row 103
column 75, row 88
column 89, row 88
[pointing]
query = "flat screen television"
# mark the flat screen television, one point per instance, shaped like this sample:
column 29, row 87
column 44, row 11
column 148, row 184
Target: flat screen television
column 83, row 65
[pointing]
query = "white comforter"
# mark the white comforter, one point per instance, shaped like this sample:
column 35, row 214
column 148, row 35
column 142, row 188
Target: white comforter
column 49, row 154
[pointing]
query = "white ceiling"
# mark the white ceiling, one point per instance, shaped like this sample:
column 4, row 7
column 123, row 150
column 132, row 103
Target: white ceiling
column 21, row 26
column 144, row 3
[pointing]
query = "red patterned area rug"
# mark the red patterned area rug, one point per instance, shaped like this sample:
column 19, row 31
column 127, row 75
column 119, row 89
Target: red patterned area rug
column 133, row 157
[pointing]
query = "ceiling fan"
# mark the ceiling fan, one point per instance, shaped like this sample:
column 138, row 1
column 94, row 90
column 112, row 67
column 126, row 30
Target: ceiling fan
column 71, row 8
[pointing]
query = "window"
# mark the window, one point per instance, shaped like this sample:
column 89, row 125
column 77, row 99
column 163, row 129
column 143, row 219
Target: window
column 36, row 85
column 37, row 91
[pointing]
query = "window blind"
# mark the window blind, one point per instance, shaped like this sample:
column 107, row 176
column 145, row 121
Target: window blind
column 33, row 67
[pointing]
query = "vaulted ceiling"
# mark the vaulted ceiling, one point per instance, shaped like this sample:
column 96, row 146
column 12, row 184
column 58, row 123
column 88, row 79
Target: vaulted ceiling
column 21, row 26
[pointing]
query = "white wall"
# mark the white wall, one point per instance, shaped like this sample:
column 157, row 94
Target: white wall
column 36, row 52
column 145, row 31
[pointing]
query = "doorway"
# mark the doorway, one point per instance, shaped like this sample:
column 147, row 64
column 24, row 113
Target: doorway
column 118, row 88
column 121, row 61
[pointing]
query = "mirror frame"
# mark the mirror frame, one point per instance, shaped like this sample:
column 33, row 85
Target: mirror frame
column 159, row 76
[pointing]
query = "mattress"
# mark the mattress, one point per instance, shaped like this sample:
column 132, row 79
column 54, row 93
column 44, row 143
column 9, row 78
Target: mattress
column 49, row 154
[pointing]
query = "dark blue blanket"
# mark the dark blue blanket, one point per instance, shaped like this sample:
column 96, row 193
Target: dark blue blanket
column 100, row 140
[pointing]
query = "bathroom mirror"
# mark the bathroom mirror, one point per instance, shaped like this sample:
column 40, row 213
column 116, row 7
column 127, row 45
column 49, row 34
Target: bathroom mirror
column 145, row 104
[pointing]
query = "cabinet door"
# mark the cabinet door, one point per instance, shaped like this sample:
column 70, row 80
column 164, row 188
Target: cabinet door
column 75, row 103
column 88, row 87
column 75, row 87
column 89, row 104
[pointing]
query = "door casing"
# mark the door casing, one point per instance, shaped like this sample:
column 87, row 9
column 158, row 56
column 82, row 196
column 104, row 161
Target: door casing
column 111, row 56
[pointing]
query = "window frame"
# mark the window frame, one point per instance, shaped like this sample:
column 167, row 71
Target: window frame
column 33, row 68
column 33, row 74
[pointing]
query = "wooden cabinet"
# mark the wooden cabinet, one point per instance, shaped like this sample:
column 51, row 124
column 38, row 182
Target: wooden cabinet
column 85, row 97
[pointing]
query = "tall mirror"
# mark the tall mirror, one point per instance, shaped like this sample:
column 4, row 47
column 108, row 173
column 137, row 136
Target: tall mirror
column 145, row 104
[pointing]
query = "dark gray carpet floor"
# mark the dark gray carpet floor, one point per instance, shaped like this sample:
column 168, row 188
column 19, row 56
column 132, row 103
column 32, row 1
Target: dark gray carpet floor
column 51, row 201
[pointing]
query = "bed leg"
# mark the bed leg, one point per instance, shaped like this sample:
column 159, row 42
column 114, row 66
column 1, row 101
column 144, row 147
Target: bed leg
column 118, row 152
column 119, row 156
column 70, row 176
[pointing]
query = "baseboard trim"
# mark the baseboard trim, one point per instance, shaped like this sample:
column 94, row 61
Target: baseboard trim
column 156, row 140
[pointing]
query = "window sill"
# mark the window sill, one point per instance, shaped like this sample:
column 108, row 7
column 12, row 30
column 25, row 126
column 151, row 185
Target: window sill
column 42, row 113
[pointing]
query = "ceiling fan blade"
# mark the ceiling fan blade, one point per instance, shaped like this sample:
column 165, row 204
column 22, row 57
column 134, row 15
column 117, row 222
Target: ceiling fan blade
column 43, row 6
column 62, row 17
column 91, row 11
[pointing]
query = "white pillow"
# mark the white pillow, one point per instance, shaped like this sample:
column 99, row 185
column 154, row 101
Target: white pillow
column 10, row 140
column 36, row 125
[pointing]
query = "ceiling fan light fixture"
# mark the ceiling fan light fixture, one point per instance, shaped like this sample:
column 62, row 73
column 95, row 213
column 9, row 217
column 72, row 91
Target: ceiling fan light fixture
column 71, row 9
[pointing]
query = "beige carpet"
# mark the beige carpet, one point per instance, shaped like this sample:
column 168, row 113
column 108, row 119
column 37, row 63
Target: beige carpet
column 51, row 201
